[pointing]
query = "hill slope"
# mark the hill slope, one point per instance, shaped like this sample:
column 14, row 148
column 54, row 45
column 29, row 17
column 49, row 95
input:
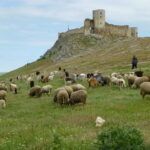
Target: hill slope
column 80, row 53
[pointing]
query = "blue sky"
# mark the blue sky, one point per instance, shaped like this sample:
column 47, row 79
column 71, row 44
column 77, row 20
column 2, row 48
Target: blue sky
column 29, row 27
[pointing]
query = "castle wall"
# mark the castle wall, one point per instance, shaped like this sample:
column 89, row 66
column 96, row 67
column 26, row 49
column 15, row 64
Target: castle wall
column 134, row 31
column 117, row 30
column 87, row 26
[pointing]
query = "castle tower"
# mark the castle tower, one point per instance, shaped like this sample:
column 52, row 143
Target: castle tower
column 99, row 18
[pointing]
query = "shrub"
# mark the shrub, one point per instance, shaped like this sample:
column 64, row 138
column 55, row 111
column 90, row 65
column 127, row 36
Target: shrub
column 120, row 138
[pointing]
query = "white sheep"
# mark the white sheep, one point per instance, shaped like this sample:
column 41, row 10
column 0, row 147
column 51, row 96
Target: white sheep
column 82, row 76
column 13, row 88
column 47, row 89
column 51, row 77
column 120, row 82
column 3, row 94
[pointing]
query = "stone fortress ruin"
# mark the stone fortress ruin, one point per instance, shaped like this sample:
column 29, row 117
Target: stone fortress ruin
column 98, row 27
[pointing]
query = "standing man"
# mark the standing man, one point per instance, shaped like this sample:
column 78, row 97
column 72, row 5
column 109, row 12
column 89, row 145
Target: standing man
column 134, row 62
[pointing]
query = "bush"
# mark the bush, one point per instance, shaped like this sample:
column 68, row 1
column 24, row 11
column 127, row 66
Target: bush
column 120, row 138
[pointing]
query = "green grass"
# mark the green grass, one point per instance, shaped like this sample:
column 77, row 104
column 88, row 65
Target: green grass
column 32, row 123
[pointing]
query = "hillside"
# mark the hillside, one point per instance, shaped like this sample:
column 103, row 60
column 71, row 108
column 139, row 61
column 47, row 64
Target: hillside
column 89, row 53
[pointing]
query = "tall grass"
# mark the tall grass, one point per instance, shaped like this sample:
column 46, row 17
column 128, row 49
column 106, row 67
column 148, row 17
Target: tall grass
column 38, row 123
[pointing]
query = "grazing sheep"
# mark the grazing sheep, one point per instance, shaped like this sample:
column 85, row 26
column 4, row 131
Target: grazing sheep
column 144, row 89
column 82, row 76
column 99, row 121
column 77, row 87
column 3, row 94
column 93, row 82
column 44, row 79
column 62, row 97
column 118, row 82
column 35, row 91
column 51, row 77
column 3, row 88
column 69, row 90
column 29, row 79
column 78, row 97
column 69, row 81
column 131, row 80
column 14, row 88
column 2, row 103
column 46, row 89
column 140, row 80
column 56, row 92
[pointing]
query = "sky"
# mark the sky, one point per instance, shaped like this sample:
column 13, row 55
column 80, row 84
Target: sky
column 29, row 27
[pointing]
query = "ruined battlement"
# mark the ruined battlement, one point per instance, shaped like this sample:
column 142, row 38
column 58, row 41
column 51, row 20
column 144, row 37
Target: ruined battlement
column 98, row 27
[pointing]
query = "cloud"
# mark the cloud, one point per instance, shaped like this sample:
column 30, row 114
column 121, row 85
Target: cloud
column 75, row 11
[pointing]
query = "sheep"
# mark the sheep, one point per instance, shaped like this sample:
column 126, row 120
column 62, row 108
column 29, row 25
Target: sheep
column 68, row 89
column 138, row 73
column 3, row 88
column 144, row 89
column 44, row 79
column 119, row 82
column 56, row 92
column 35, row 91
column 62, row 97
column 69, row 81
column 3, row 94
column 82, row 76
column 2, row 103
column 29, row 79
column 51, row 77
column 77, row 87
column 131, row 79
column 78, row 97
column 140, row 80
column 46, row 89
column 14, row 88
column 93, row 82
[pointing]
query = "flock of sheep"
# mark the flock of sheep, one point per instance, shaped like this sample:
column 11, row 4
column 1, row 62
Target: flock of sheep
column 72, row 92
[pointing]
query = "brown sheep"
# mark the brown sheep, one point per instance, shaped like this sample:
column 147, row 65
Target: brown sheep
column 77, row 87
column 62, row 97
column 3, row 94
column 93, row 82
column 69, row 90
column 35, row 91
column 45, row 79
column 131, row 80
column 56, row 92
column 140, row 80
column 144, row 89
column 78, row 97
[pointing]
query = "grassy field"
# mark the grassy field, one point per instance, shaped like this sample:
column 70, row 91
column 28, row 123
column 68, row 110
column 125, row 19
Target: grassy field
column 31, row 123
column 38, row 123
